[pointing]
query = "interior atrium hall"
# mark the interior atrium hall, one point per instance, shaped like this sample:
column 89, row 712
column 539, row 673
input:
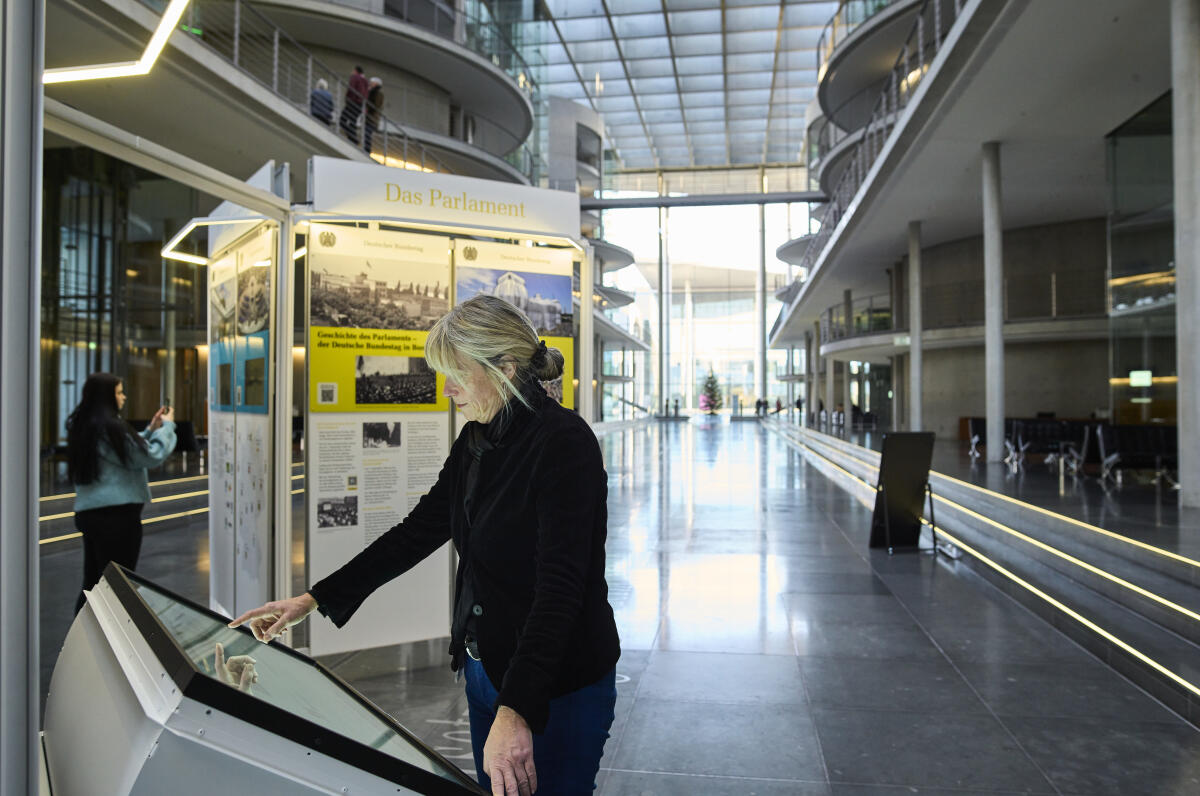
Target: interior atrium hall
column 880, row 313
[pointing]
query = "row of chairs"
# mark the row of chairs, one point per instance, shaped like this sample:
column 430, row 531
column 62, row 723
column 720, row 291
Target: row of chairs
column 1118, row 447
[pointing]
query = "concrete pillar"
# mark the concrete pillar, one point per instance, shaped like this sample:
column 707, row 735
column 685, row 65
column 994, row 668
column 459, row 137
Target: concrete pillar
column 1185, row 113
column 21, row 52
column 915, row 372
column 809, row 392
column 760, row 308
column 993, row 302
column 816, row 371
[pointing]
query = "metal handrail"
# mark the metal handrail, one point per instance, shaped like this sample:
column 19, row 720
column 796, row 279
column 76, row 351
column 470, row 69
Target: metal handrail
column 261, row 49
column 912, row 62
column 850, row 14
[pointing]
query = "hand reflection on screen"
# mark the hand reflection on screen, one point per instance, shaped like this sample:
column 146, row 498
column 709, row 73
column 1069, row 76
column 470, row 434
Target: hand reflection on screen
column 238, row 671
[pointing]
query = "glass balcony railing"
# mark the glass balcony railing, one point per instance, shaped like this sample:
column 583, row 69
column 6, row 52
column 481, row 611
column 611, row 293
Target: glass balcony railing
column 870, row 315
column 850, row 14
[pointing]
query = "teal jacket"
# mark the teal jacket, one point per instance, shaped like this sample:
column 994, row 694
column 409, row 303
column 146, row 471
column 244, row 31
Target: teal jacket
column 119, row 484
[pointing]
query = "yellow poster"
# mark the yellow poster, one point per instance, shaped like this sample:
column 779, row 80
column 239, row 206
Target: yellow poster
column 373, row 296
column 364, row 370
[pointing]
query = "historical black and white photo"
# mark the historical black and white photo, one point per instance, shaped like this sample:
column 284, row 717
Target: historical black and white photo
column 394, row 380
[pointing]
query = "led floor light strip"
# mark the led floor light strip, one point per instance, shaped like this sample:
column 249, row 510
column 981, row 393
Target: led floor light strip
column 1043, row 546
column 142, row 66
column 1089, row 624
column 66, row 495
column 1141, row 656
column 1061, row 517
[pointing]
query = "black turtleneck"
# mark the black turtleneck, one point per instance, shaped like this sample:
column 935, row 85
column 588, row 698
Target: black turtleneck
column 524, row 499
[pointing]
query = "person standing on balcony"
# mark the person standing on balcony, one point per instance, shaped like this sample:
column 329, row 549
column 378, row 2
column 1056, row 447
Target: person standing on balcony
column 107, row 461
column 320, row 103
column 352, row 106
column 373, row 111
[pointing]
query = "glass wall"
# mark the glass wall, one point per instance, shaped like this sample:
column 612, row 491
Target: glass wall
column 110, row 302
column 713, row 255
column 1141, row 280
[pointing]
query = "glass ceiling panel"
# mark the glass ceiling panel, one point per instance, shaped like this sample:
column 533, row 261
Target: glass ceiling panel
column 755, row 18
column 586, row 29
column 654, row 48
column 751, row 42
column 706, row 114
column 699, row 44
column 632, row 26
column 609, row 102
column 655, row 116
column 810, row 15
column 701, row 99
column 685, row 22
column 756, row 97
column 657, row 67
column 711, row 69
column 749, row 80
column 699, row 65
column 695, row 83
column 658, row 101
column 750, row 62
column 602, row 50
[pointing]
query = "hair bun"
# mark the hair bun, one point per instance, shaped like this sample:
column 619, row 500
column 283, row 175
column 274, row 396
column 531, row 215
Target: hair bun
column 546, row 363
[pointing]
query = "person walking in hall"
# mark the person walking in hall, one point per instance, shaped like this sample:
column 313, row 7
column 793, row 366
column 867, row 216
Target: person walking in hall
column 524, row 498
column 107, row 462
column 320, row 103
column 352, row 104
column 372, row 111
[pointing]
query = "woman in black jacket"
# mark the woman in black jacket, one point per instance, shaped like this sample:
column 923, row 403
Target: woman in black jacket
column 523, row 495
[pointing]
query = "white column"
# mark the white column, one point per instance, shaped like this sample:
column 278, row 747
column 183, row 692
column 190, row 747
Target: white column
column 586, row 394
column 688, row 369
column 285, row 336
column 915, row 374
column 829, row 393
column 993, row 302
column 1185, row 114
column 760, row 308
column 664, row 314
column 21, row 50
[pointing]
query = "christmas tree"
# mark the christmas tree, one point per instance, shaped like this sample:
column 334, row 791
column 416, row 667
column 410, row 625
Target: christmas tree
column 710, row 397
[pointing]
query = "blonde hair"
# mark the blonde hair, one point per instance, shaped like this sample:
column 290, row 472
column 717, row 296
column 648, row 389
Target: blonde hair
column 491, row 332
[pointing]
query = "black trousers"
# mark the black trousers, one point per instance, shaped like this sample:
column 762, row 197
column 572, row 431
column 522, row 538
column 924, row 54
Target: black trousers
column 110, row 533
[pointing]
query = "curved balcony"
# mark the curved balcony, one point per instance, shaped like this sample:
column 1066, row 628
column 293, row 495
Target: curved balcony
column 497, row 115
column 609, row 256
column 856, row 53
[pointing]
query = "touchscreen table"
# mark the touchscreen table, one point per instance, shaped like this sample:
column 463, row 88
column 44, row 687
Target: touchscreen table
column 289, row 721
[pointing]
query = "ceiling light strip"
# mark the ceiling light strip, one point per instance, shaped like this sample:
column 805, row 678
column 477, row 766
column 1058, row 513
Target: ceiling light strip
column 142, row 66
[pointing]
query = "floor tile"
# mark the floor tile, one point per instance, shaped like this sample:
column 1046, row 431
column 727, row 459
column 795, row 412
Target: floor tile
column 924, row 749
column 722, row 740
column 624, row 783
column 725, row 678
column 1110, row 757
column 928, row 686
column 1062, row 690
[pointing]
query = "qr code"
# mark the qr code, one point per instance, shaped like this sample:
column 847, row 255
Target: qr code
column 327, row 393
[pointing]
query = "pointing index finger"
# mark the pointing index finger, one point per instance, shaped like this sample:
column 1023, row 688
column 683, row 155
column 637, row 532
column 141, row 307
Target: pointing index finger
column 251, row 614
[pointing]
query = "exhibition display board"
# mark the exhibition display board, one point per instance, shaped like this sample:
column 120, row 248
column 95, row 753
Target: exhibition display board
column 389, row 252
column 240, row 361
column 378, row 425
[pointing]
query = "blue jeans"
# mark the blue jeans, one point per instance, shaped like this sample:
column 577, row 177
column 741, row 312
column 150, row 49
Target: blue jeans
column 567, row 754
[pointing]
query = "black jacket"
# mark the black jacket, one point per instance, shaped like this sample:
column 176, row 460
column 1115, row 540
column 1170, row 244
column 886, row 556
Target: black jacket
column 532, row 547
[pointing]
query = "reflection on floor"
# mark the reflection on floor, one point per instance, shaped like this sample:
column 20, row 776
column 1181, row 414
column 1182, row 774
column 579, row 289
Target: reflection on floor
column 767, row 651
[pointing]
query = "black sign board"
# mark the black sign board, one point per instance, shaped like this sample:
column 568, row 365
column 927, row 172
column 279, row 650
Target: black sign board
column 903, row 475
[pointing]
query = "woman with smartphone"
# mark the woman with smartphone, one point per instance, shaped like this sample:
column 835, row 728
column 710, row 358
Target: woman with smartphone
column 107, row 462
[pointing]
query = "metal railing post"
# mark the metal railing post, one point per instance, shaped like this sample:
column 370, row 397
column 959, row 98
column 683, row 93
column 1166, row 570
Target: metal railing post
column 308, row 81
column 937, row 25
column 237, row 28
column 275, row 61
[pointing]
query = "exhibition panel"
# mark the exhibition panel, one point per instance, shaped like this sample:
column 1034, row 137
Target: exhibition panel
column 204, row 708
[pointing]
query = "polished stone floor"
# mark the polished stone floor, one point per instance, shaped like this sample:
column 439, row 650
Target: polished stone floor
column 767, row 651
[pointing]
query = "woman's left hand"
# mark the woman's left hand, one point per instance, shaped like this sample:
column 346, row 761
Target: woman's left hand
column 508, row 755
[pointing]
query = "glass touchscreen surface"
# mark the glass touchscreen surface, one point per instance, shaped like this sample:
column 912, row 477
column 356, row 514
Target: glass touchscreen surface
column 281, row 679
